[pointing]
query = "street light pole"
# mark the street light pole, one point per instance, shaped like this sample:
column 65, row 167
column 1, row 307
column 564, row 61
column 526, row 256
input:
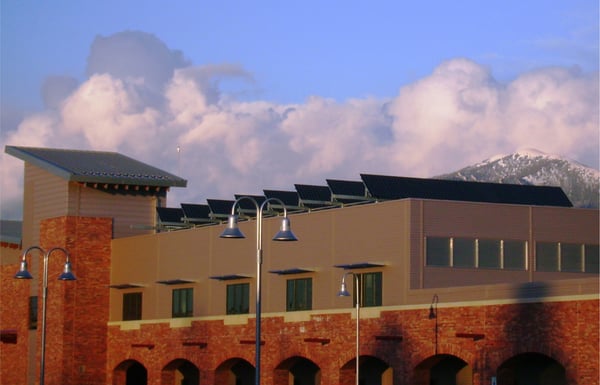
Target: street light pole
column 284, row 234
column 66, row 275
column 344, row 293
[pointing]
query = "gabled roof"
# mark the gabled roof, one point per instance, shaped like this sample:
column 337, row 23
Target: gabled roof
column 96, row 167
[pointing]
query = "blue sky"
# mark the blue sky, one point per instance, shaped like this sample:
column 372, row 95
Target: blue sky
column 241, row 96
column 338, row 49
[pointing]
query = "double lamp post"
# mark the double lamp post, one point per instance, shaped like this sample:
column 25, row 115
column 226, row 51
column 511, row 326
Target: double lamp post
column 285, row 234
column 66, row 275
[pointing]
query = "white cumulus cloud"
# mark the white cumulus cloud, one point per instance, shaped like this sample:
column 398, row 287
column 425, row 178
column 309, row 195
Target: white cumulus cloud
column 456, row 116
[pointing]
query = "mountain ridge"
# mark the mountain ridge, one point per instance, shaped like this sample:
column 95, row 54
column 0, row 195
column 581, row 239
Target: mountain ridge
column 533, row 167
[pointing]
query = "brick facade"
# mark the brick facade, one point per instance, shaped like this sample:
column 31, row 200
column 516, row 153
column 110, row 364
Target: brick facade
column 482, row 336
column 77, row 311
column 83, row 348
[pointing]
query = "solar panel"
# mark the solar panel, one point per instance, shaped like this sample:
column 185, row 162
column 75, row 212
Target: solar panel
column 219, row 208
column 246, row 206
column 196, row 213
column 392, row 187
column 170, row 217
column 345, row 191
column 289, row 198
column 313, row 196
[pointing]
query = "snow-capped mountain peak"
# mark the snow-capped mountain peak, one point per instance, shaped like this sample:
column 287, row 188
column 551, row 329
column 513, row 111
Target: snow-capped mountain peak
column 534, row 167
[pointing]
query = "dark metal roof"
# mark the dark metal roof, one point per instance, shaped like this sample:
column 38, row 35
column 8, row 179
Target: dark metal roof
column 393, row 187
column 95, row 167
column 11, row 232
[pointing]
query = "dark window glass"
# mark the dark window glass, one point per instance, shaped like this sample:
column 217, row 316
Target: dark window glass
column 489, row 253
column 238, row 298
column 33, row 312
column 571, row 257
column 371, row 287
column 438, row 251
column 132, row 306
column 299, row 294
column 592, row 259
column 546, row 256
column 514, row 254
column 183, row 303
column 463, row 252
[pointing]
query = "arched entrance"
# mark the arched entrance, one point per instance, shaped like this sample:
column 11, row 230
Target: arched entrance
column 531, row 369
column 443, row 369
column 372, row 371
column 235, row 371
column 297, row 371
column 130, row 372
column 180, row 372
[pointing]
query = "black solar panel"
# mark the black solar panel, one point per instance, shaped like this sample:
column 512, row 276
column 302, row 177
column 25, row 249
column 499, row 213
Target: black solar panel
column 170, row 217
column 220, row 208
column 170, row 214
column 345, row 191
column 196, row 213
column 313, row 196
column 246, row 205
column 289, row 198
column 393, row 187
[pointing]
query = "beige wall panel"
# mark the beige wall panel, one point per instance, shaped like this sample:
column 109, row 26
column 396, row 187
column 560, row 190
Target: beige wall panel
column 326, row 238
column 472, row 220
column 565, row 225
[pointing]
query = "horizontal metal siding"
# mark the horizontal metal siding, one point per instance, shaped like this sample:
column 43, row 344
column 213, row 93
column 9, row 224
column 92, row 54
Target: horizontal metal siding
column 48, row 193
column 127, row 211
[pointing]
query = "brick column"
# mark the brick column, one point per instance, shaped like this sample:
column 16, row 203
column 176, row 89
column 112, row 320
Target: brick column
column 77, row 312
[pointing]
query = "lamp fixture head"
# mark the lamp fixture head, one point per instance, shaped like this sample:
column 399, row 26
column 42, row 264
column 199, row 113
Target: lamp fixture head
column 285, row 233
column 23, row 273
column 67, row 274
column 232, row 230
column 343, row 291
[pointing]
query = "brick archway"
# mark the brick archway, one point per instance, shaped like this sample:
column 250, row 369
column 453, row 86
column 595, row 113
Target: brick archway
column 443, row 369
column 235, row 371
column 180, row 371
column 130, row 372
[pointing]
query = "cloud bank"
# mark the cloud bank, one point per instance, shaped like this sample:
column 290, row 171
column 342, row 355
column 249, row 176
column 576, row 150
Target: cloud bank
column 147, row 101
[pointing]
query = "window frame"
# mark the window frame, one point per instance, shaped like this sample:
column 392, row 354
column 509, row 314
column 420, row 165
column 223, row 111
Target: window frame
column 239, row 293
column 183, row 305
column 298, row 298
column 132, row 306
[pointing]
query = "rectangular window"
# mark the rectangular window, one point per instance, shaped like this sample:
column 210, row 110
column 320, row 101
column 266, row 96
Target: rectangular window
column 571, row 257
column 463, row 252
column 33, row 312
column 514, row 254
column 238, row 298
column 183, row 303
column 592, row 259
column 489, row 253
column 371, row 289
column 546, row 256
column 132, row 306
column 299, row 294
column 437, row 251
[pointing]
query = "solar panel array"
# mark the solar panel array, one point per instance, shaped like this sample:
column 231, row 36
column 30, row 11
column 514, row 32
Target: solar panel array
column 370, row 188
